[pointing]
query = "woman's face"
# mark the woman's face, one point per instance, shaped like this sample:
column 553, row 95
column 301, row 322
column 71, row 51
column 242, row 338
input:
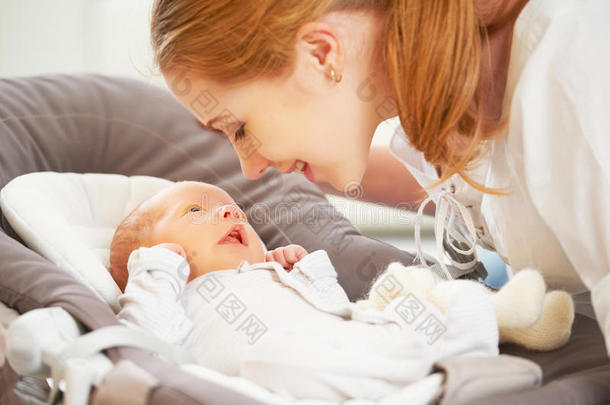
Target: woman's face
column 303, row 115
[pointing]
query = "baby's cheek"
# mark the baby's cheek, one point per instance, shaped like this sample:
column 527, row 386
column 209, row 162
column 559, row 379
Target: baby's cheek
column 192, row 268
column 259, row 255
column 257, row 251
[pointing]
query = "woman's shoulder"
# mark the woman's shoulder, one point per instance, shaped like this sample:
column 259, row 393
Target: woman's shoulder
column 558, row 65
column 539, row 16
column 551, row 10
column 558, row 73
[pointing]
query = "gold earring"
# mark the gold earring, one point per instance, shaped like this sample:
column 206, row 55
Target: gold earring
column 334, row 76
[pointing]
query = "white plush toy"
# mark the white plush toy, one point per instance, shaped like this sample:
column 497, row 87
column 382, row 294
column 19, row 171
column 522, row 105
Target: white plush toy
column 526, row 313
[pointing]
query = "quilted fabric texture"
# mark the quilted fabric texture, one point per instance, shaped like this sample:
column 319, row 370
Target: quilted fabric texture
column 70, row 219
column 100, row 124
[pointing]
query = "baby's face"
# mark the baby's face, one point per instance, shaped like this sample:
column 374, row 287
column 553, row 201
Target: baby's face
column 206, row 222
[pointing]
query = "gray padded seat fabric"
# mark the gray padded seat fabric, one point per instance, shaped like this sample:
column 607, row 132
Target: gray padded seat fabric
column 93, row 123
column 97, row 124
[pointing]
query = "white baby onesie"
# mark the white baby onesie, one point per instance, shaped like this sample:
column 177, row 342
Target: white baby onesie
column 296, row 333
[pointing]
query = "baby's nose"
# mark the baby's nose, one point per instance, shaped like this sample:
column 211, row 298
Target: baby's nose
column 232, row 211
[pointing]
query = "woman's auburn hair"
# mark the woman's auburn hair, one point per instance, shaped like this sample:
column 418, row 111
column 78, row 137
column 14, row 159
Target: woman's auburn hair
column 432, row 53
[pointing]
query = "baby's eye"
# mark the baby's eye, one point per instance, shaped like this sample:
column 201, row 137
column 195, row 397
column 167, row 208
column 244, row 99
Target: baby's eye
column 196, row 208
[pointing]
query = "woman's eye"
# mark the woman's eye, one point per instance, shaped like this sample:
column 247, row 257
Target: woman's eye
column 240, row 133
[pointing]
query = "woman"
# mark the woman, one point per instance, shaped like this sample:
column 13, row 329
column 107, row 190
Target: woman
column 504, row 107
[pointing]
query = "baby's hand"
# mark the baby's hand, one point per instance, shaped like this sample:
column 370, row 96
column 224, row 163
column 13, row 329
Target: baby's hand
column 174, row 247
column 287, row 256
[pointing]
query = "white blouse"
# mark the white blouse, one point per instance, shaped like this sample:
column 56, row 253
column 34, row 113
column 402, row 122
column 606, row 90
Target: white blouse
column 555, row 156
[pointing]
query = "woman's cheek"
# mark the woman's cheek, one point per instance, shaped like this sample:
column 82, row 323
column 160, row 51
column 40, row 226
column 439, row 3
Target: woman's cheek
column 258, row 139
column 275, row 149
column 286, row 141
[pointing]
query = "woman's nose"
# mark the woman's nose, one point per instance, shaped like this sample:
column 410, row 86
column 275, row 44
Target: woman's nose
column 231, row 211
column 254, row 165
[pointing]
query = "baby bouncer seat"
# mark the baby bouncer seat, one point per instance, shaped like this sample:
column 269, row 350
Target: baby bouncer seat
column 99, row 124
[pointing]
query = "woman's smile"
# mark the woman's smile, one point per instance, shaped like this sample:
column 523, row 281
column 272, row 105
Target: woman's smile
column 300, row 166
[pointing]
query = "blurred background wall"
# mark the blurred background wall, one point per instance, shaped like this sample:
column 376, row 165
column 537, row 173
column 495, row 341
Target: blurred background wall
column 103, row 36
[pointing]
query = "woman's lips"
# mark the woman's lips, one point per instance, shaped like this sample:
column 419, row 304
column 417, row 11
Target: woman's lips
column 235, row 235
column 299, row 166
column 292, row 167
column 309, row 173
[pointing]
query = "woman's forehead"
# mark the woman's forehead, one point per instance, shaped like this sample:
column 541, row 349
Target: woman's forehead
column 209, row 101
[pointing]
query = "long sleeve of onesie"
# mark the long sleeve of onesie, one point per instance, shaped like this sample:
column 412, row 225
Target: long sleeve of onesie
column 297, row 334
column 157, row 277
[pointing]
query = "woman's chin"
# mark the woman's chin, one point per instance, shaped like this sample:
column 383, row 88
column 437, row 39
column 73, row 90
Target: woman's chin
column 345, row 180
column 349, row 186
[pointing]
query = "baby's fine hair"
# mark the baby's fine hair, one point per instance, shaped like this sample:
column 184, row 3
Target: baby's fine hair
column 133, row 232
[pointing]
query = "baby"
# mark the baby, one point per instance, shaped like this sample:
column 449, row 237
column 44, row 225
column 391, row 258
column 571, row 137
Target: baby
column 195, row 273
column 201, row 223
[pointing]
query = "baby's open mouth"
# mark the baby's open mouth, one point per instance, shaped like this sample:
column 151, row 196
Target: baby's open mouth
column 236, row 234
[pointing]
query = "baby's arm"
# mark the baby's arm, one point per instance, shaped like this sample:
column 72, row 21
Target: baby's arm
column 287, row 256
column 157, row 277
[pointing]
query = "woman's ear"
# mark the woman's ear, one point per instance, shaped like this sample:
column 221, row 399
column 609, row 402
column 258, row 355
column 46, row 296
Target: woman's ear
column 318, row 50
